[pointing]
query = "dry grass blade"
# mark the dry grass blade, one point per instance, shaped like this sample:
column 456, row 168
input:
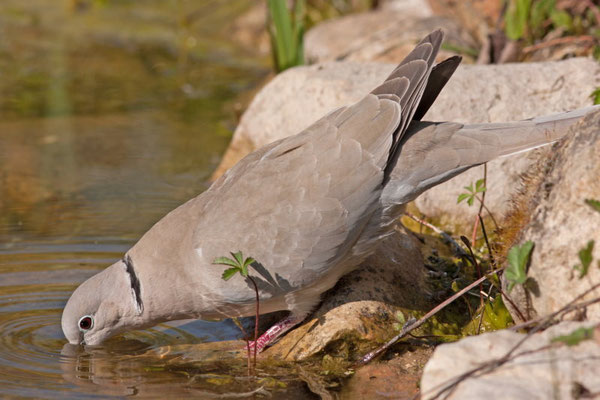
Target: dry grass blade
column 407, row 329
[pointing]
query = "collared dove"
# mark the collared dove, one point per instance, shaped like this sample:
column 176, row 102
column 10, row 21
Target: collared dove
column 309, row 207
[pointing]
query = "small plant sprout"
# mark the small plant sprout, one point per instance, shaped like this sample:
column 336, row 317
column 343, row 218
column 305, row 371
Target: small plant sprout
column 585, row 258
column 401, row 320
column 237, row 264
column 518, row 258
column 594, row 204
column 240, row 265
column 471, row 194
column 576, row 337
column 596, row 98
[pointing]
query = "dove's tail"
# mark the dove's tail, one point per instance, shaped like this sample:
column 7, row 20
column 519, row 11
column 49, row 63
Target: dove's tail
column 432, row 153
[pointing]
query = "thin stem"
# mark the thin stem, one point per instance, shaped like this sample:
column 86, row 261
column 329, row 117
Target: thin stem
column 487, row 243
column 481, row 204
column 255, row 321
column 407, row 329
column 477, row 267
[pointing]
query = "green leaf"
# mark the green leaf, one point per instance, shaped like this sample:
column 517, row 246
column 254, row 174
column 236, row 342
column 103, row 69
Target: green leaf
column 400, row 317
column 470, row 200
column 496, row 314
column 480, row 186
column 470, row 188
column 229, row 272
column 595, row 204
column 540, row 11
column 249, row 261
column 244, row 270
column 461, row 197
column 225, row 261
column 239, row 257
column 561, row 19
column 596, row 96
column 287, row 34
column 455, row 287
column 586, row 257
column 575, row 337
column 516, row 18
column 518, row 257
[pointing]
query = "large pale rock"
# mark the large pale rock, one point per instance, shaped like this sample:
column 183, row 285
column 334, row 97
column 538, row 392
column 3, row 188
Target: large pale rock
column 417, row 8
column 559, row 372
column 361, row 308
column 383, row 35
column 560, row 224
column 486, row 93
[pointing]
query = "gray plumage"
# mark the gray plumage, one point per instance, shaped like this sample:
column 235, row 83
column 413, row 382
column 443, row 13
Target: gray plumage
column 309, row 207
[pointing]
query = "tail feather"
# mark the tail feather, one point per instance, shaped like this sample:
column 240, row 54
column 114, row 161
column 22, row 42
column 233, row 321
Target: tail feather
column 408, row 82
column 440, row 75
column 517, row 137
column 432, row 153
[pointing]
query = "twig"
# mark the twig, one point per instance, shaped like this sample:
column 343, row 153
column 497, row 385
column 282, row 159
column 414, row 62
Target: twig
column 483, row 309
column 493, row 264
column 512, row 303
column 481, row 204
column 562, row 40
column 490, row 214
column 406, row 329
column 456, row 247
column 539, row 320
column 477, row 267
column 487, row 243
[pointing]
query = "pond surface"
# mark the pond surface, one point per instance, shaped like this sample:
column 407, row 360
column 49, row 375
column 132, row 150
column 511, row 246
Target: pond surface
column 112, row 114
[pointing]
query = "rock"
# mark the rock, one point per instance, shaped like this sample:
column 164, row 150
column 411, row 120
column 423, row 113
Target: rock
column 482, row 93
column 476, row 16
column 397, row 378
column 381, row 35
column 249, row 29
column 416, row 8
column 558, row 372
column 360, row 309
column 554, row 216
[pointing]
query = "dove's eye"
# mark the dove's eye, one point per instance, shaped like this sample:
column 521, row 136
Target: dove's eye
column 86, row 323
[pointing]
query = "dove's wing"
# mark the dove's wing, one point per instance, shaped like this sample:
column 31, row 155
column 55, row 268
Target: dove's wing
column 300, row 204
column 297, row 205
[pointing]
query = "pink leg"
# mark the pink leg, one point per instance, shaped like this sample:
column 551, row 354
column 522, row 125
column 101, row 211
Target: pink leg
column 274, row 332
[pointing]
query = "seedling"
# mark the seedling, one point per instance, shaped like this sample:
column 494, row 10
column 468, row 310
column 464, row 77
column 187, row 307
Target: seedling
column 585, row 258
column 240, row 265
column 595, row 204
column 518, row 258
column 575, row 337
column 471, row 194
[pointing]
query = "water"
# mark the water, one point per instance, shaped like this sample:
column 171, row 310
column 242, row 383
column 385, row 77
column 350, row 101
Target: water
column 112, row 114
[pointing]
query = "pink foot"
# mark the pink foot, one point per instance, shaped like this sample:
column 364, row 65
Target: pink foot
column 275, row 332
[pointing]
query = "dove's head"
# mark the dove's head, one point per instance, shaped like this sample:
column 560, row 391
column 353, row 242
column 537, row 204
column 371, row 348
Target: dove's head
column 106, row 304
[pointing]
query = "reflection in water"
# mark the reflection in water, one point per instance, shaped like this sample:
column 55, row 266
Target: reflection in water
column 112, row 113
column 215, row 371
